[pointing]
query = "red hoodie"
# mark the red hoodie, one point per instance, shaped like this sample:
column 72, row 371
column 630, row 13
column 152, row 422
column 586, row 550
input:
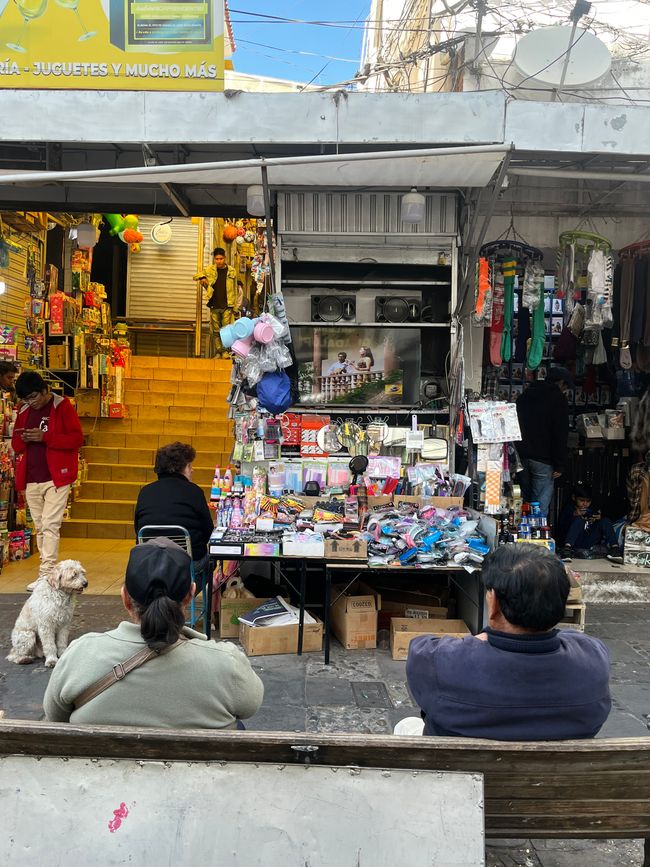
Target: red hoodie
column 63, row 439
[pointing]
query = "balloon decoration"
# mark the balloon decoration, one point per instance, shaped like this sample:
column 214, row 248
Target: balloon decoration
column 126, row 227
column 229, row 232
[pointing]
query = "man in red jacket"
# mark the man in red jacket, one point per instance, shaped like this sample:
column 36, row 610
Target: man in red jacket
column 46, row 440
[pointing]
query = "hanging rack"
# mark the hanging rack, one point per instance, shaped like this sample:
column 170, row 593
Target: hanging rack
column 518, row 248
column 635, row 249
column 588, row 239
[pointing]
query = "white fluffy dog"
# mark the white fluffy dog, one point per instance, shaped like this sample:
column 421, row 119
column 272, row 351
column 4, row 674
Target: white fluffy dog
column 43, row 625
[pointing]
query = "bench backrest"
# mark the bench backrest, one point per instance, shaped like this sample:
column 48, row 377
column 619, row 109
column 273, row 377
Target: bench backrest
column 587, row 788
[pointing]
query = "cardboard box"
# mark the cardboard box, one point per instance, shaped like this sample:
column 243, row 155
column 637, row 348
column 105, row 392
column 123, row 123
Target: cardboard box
column 403, row 630
column 87, row 402
column 57, row 357
column 417, row 606
column 396, row 499
column 303, row 545
column 353, row 617
column 346, row 549
column 230, row 611
column 270, row 640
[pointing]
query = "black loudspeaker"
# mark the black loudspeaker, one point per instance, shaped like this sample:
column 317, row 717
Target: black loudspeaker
column 333, row 308
column 395, row 309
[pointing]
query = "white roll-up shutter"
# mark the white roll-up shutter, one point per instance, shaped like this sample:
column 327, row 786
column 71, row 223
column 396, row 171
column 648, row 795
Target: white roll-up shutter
column 159, row 281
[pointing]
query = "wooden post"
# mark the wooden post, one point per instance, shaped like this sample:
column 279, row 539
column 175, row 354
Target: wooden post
column 200, row 250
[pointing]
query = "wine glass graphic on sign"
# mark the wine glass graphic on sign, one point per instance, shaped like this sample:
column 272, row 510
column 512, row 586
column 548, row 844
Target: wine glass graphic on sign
column 29, row 9
column 74, row 5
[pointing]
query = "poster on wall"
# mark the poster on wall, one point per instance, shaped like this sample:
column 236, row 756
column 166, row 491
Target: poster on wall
column 112, row 44
column 357, row 366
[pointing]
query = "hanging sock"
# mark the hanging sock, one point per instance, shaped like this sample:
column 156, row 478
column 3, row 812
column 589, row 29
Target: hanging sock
column 483, row 303
column 509, row 275
column 496, row 329
column 536, row 350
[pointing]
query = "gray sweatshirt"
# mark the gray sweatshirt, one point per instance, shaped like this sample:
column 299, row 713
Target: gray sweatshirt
column 200, row 684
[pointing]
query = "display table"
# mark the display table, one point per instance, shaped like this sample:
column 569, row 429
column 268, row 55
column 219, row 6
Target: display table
column 471, row 599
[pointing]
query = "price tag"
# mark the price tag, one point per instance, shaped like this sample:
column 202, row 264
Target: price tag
column 415, row 440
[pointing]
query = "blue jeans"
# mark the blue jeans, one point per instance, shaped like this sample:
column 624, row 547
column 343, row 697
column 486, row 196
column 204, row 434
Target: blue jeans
column 536, row 481
column 597, row 533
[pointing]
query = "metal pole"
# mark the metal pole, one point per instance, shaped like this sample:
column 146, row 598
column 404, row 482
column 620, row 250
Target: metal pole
column 565, row 68
column 200, row 251
column 269, row 230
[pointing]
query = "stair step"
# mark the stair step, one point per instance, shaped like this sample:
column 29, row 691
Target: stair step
column 108, row 472
column 145, row 457
column 84, row 528
column 179, row 427
column 121, row 491
column 103, row 510
column 146, row 398
column 212, row 444
column 149, row 362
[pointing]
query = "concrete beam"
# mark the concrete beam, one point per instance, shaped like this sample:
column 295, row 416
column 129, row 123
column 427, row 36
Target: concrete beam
column 256, row 118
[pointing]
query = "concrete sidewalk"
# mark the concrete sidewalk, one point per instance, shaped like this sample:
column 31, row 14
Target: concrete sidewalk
column 365, row 691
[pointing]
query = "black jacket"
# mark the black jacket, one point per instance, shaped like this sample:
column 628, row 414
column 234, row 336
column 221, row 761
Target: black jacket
column 173, row 499
column 544, row 421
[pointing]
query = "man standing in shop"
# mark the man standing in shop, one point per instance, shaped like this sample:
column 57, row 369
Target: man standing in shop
column 8, row 374
column 222, row 297
column 46, row 440
column 543, row 414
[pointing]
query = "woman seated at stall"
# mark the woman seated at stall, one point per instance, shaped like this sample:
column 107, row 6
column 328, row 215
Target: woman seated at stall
column 173, row 677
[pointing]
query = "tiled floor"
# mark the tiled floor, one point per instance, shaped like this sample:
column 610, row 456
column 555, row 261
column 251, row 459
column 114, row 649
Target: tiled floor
column 103, row 559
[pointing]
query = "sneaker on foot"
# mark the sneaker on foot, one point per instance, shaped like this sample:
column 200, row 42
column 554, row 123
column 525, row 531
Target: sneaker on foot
column 32, row 586
column 615, row 555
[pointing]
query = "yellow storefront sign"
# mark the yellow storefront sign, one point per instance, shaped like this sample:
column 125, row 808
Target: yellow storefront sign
column 112, row 44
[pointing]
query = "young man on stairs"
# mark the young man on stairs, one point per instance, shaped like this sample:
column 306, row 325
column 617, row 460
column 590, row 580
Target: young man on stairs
column 46, row 441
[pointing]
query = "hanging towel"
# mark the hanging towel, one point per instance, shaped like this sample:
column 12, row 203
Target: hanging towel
column 496, row 329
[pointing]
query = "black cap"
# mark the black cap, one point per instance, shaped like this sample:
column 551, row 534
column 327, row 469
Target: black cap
column 558, row 374
column 156, row 568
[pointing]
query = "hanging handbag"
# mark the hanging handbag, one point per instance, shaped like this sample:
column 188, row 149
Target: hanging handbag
column 120, row 671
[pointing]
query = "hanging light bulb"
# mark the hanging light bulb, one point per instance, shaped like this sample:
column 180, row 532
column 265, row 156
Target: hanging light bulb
column 413, row 207
column 255, row 201
column 86, row 235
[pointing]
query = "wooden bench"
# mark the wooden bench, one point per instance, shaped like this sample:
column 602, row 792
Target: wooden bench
column 568, row 789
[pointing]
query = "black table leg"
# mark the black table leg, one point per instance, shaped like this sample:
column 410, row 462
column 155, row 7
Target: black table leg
column 303, row 591
column 207, row 602
column 326, row 614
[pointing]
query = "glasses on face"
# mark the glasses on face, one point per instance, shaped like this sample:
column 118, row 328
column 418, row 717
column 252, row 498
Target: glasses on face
column 33, row 397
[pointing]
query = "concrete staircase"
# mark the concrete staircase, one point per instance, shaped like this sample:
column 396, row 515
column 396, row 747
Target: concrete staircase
column 168, row 399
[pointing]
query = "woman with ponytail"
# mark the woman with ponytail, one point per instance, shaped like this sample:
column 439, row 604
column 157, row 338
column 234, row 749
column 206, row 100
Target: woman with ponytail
column 169, row 676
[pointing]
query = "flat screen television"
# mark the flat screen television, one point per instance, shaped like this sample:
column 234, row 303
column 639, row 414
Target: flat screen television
column 357, row 366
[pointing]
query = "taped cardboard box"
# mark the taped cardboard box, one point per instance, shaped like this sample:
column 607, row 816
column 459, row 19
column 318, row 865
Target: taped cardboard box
column 353, row 615
column 413, row 604
column 346, row 549
column 271, row 640
column 403, row 630
column 230, row 610
column 87, row 402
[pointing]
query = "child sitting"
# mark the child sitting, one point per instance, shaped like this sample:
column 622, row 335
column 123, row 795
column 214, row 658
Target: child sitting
column 583, row 530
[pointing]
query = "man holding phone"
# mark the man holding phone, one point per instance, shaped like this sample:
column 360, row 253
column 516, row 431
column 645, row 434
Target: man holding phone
column 46, row 441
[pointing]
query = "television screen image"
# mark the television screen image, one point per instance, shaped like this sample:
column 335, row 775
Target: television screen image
column 357, row 366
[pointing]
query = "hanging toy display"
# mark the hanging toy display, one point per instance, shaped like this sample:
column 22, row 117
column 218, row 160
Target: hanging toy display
column 127, row 229
column 229, row 232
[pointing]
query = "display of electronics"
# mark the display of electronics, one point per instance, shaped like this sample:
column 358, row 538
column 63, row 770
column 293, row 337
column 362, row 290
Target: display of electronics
column 395, row 309
column 333, row 308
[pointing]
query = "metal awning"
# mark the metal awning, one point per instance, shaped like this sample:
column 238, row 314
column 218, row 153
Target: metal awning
column 438, row 168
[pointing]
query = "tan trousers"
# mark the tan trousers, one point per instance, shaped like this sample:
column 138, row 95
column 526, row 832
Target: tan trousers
column 47, row 505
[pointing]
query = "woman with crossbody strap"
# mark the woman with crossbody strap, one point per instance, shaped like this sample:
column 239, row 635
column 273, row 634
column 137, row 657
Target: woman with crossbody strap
column 152, row 670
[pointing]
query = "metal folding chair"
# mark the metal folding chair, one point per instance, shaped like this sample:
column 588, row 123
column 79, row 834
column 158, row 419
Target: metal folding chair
column 181, row 537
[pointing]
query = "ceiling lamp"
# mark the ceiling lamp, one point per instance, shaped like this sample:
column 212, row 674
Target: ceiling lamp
column 86, row 235
column 413, row 207
column 255, row 201
column 162, row 233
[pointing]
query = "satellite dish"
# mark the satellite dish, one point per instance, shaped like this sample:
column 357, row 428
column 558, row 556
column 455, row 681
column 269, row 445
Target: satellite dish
column 541, row 55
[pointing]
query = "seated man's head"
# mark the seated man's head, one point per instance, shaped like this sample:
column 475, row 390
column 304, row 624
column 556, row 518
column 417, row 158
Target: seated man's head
column 582, row 497
column 175, row 458
column 527, row 588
